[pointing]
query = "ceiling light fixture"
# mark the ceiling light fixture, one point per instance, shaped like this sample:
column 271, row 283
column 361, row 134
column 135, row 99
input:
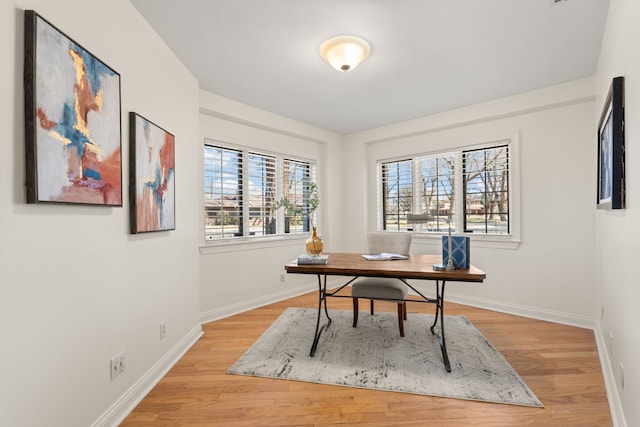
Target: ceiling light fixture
column 344, row 53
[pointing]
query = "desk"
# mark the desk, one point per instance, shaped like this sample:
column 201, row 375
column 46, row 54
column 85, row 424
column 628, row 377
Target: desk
column 416, row 267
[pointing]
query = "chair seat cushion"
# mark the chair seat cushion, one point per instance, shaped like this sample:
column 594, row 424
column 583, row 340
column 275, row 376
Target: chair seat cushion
column 379, row 288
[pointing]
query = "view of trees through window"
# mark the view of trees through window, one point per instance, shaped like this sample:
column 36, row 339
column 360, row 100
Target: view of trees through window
column 297, row 177
column 486, row 187
column 467, row 190
column 241, row 190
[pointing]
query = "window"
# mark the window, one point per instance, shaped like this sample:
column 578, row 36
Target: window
column 262, row 194
column 467, row 189
column 241, row 188
column 297, row 178
column 223, row 202
column 397, row 193
column 486, row 190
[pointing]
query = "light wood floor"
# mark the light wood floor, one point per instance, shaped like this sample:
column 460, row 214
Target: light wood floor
column 559, row 363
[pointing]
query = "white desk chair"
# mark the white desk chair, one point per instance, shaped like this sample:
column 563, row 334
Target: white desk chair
column 386, row 289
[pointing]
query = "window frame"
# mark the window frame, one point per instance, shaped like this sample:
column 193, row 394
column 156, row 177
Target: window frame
column 510, row 240
column 245, row 152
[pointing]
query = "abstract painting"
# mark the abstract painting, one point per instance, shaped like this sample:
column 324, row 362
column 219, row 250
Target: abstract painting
column 72, row 121
column 611, row 159
column 152, row 176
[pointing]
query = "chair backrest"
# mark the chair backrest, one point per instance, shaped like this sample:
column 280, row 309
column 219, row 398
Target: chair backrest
column 394, row 243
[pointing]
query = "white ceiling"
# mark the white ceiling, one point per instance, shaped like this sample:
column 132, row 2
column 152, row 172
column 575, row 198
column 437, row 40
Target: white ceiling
column 427, row 56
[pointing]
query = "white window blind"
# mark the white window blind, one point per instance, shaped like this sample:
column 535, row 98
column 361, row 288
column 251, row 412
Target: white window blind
column 486, row 187
column 297, row 178
column 467, row 189
column 397, row 194
column 241, row 190
column 262, row 194
column 437, row 191
column 223, row 201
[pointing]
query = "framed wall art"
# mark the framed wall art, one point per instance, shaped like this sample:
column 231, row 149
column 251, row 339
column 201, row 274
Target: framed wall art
column 72, row 120
column 611, row 159
column 151, row 176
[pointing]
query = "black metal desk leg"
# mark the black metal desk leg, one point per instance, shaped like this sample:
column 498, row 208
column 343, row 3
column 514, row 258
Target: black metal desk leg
column 440, row 310
column 322, row 296
column 324, row 292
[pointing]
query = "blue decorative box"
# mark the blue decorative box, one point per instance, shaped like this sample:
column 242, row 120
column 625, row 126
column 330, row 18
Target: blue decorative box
column 460, row 246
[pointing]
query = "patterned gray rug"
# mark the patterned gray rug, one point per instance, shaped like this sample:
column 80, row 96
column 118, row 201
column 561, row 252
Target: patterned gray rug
column 374, row 356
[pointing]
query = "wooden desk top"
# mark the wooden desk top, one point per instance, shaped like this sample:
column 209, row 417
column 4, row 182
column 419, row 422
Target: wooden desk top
column 416, row 267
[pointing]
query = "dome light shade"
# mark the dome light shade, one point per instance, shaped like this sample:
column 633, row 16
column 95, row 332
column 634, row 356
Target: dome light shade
column 344, row 53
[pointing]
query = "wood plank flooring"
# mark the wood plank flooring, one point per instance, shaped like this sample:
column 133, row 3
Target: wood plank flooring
column 559, row 363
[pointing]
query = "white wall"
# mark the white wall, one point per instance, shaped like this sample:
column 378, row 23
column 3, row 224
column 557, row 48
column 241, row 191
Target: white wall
column 618, row 232
column 551, row 275
column 60, row 322
column 541, row 278
column 236, row 277
column 75, row 287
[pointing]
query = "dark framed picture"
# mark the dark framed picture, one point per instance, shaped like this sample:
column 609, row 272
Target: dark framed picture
column 151, row 176
column 72, row 120
column 611, row 149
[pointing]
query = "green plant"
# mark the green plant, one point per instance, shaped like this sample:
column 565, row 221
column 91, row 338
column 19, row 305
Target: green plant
column 293, row 210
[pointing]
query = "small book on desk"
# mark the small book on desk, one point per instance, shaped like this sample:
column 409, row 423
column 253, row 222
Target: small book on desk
column 312, row 260
column 384, row 257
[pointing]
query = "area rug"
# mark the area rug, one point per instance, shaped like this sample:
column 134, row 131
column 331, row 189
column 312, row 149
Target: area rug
column 374, row 356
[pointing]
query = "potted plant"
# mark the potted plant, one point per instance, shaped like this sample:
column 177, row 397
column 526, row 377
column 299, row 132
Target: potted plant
column 293, row 210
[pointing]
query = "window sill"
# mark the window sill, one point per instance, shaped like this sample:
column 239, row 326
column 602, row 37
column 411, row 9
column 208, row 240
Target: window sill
column 249, row 243
column 478, row 241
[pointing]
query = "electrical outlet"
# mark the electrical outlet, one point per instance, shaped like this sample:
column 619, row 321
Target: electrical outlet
column 117, row 365
column 282, row 277
column 163, row 330
column 602, row 312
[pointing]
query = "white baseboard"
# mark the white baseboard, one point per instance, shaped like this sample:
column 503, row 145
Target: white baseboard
column 613, row 397
column 617, row 414
column 520, row 310
column 241, row 307
column 615, row 404
column 128, row 401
